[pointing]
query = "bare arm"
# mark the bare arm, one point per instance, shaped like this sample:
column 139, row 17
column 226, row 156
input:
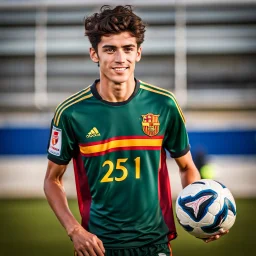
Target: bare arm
column 84, row 242
column 56, row 196
column 188, row 170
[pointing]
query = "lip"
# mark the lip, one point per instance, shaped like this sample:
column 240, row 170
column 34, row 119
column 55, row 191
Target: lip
column 120, row 69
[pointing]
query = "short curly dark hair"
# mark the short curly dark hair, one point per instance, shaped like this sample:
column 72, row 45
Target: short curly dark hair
column 114, row 21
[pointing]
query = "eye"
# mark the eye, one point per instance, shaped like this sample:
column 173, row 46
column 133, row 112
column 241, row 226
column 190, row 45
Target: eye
column 128, row 49
column 109, row 50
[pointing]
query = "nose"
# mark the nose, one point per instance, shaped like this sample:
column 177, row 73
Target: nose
column 120, row 57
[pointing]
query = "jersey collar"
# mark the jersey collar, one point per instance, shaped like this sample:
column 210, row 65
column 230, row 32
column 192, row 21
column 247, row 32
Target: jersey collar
column 97, row 96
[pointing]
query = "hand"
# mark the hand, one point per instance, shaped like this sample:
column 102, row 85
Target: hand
column 215, row 237
column 86, row 243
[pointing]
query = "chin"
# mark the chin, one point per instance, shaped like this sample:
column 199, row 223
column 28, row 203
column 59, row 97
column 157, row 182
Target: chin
column 120, row 79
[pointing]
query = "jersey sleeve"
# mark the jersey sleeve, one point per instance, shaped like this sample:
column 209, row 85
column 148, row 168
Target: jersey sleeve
column 176, row 139
column 62, row 143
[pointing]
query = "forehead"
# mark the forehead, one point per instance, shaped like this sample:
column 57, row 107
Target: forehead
column 118, row 40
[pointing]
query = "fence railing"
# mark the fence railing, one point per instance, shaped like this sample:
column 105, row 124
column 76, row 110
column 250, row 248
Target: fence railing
column 206, row 55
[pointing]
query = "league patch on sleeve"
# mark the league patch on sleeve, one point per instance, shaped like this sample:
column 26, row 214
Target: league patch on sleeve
column 55, row 143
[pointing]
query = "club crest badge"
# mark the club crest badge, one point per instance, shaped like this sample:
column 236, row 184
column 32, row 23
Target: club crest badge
column 150, row 124
column 55, row 142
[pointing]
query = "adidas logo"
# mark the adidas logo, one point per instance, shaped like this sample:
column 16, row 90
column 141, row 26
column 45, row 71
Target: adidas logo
column 93, row 133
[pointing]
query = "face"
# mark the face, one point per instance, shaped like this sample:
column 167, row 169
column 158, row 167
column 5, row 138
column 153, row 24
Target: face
column 117, row 55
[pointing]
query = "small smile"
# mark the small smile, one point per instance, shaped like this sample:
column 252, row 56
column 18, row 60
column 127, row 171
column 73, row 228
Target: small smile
column 118, row 69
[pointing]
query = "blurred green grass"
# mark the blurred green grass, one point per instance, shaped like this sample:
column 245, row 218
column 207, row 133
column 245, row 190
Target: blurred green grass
column 29, row 227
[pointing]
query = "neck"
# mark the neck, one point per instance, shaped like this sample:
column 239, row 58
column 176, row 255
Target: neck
column 115, row 92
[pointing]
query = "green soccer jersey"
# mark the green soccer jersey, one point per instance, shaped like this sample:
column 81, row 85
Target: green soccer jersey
column 119, row 156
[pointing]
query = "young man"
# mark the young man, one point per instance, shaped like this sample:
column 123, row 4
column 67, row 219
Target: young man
column 117, row 131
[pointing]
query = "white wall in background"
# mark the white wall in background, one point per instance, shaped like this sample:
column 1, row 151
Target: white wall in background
column 23, row 176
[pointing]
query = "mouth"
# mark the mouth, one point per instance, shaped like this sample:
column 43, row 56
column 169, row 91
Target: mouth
column 120, row 69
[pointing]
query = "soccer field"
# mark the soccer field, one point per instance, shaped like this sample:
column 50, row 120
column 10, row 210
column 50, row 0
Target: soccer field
column 29, row 227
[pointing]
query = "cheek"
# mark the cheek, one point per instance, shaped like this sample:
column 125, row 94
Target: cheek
column 107, row 61
column 104, row 62
column 105, row 65
column 134, row 58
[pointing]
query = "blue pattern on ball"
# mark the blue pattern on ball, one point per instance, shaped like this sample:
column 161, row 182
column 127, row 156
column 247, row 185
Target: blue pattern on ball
column 203, row 208
column 187, row 227
column 221, row 184
column 231, row 206
column 220, row 217
column 198, row 182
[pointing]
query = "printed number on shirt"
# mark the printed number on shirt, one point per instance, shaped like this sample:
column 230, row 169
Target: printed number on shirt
column 120, row 165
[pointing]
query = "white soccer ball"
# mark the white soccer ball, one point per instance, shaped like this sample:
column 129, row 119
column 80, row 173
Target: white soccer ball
column 204, row 207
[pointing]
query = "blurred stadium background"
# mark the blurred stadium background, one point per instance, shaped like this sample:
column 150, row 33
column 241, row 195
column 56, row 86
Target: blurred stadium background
column 203, row 51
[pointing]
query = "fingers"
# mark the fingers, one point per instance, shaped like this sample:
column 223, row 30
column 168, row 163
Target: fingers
column 92, row 250
column 100, row 244
column 212, row 238
column 99, row 248
column 86, row 243
column 223, row 232
column 86, row 252
column 91, row 247
column 82, row 254
column 216, row 237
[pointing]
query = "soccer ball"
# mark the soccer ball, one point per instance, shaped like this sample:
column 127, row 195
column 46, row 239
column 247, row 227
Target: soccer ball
column 204, row 207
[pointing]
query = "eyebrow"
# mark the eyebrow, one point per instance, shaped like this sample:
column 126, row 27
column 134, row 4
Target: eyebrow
column 112, row 46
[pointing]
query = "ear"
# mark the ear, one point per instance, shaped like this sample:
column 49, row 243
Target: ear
column 138, row 54
column 94, row 55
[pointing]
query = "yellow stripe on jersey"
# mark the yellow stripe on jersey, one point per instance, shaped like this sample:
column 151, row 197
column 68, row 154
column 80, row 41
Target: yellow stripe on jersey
column 119, row 144
column 72, row 103
column 173, row 97
column 69, row 99
column 159, row 88
column 168, row 94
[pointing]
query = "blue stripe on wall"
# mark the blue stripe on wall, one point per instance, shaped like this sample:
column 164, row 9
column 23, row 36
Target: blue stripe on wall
column 230, row 142
column 24, row 141
column 33, row 141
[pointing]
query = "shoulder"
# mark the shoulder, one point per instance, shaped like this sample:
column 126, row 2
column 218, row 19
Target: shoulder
column 163, row 96
column 66, row 107
column 159, row 92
